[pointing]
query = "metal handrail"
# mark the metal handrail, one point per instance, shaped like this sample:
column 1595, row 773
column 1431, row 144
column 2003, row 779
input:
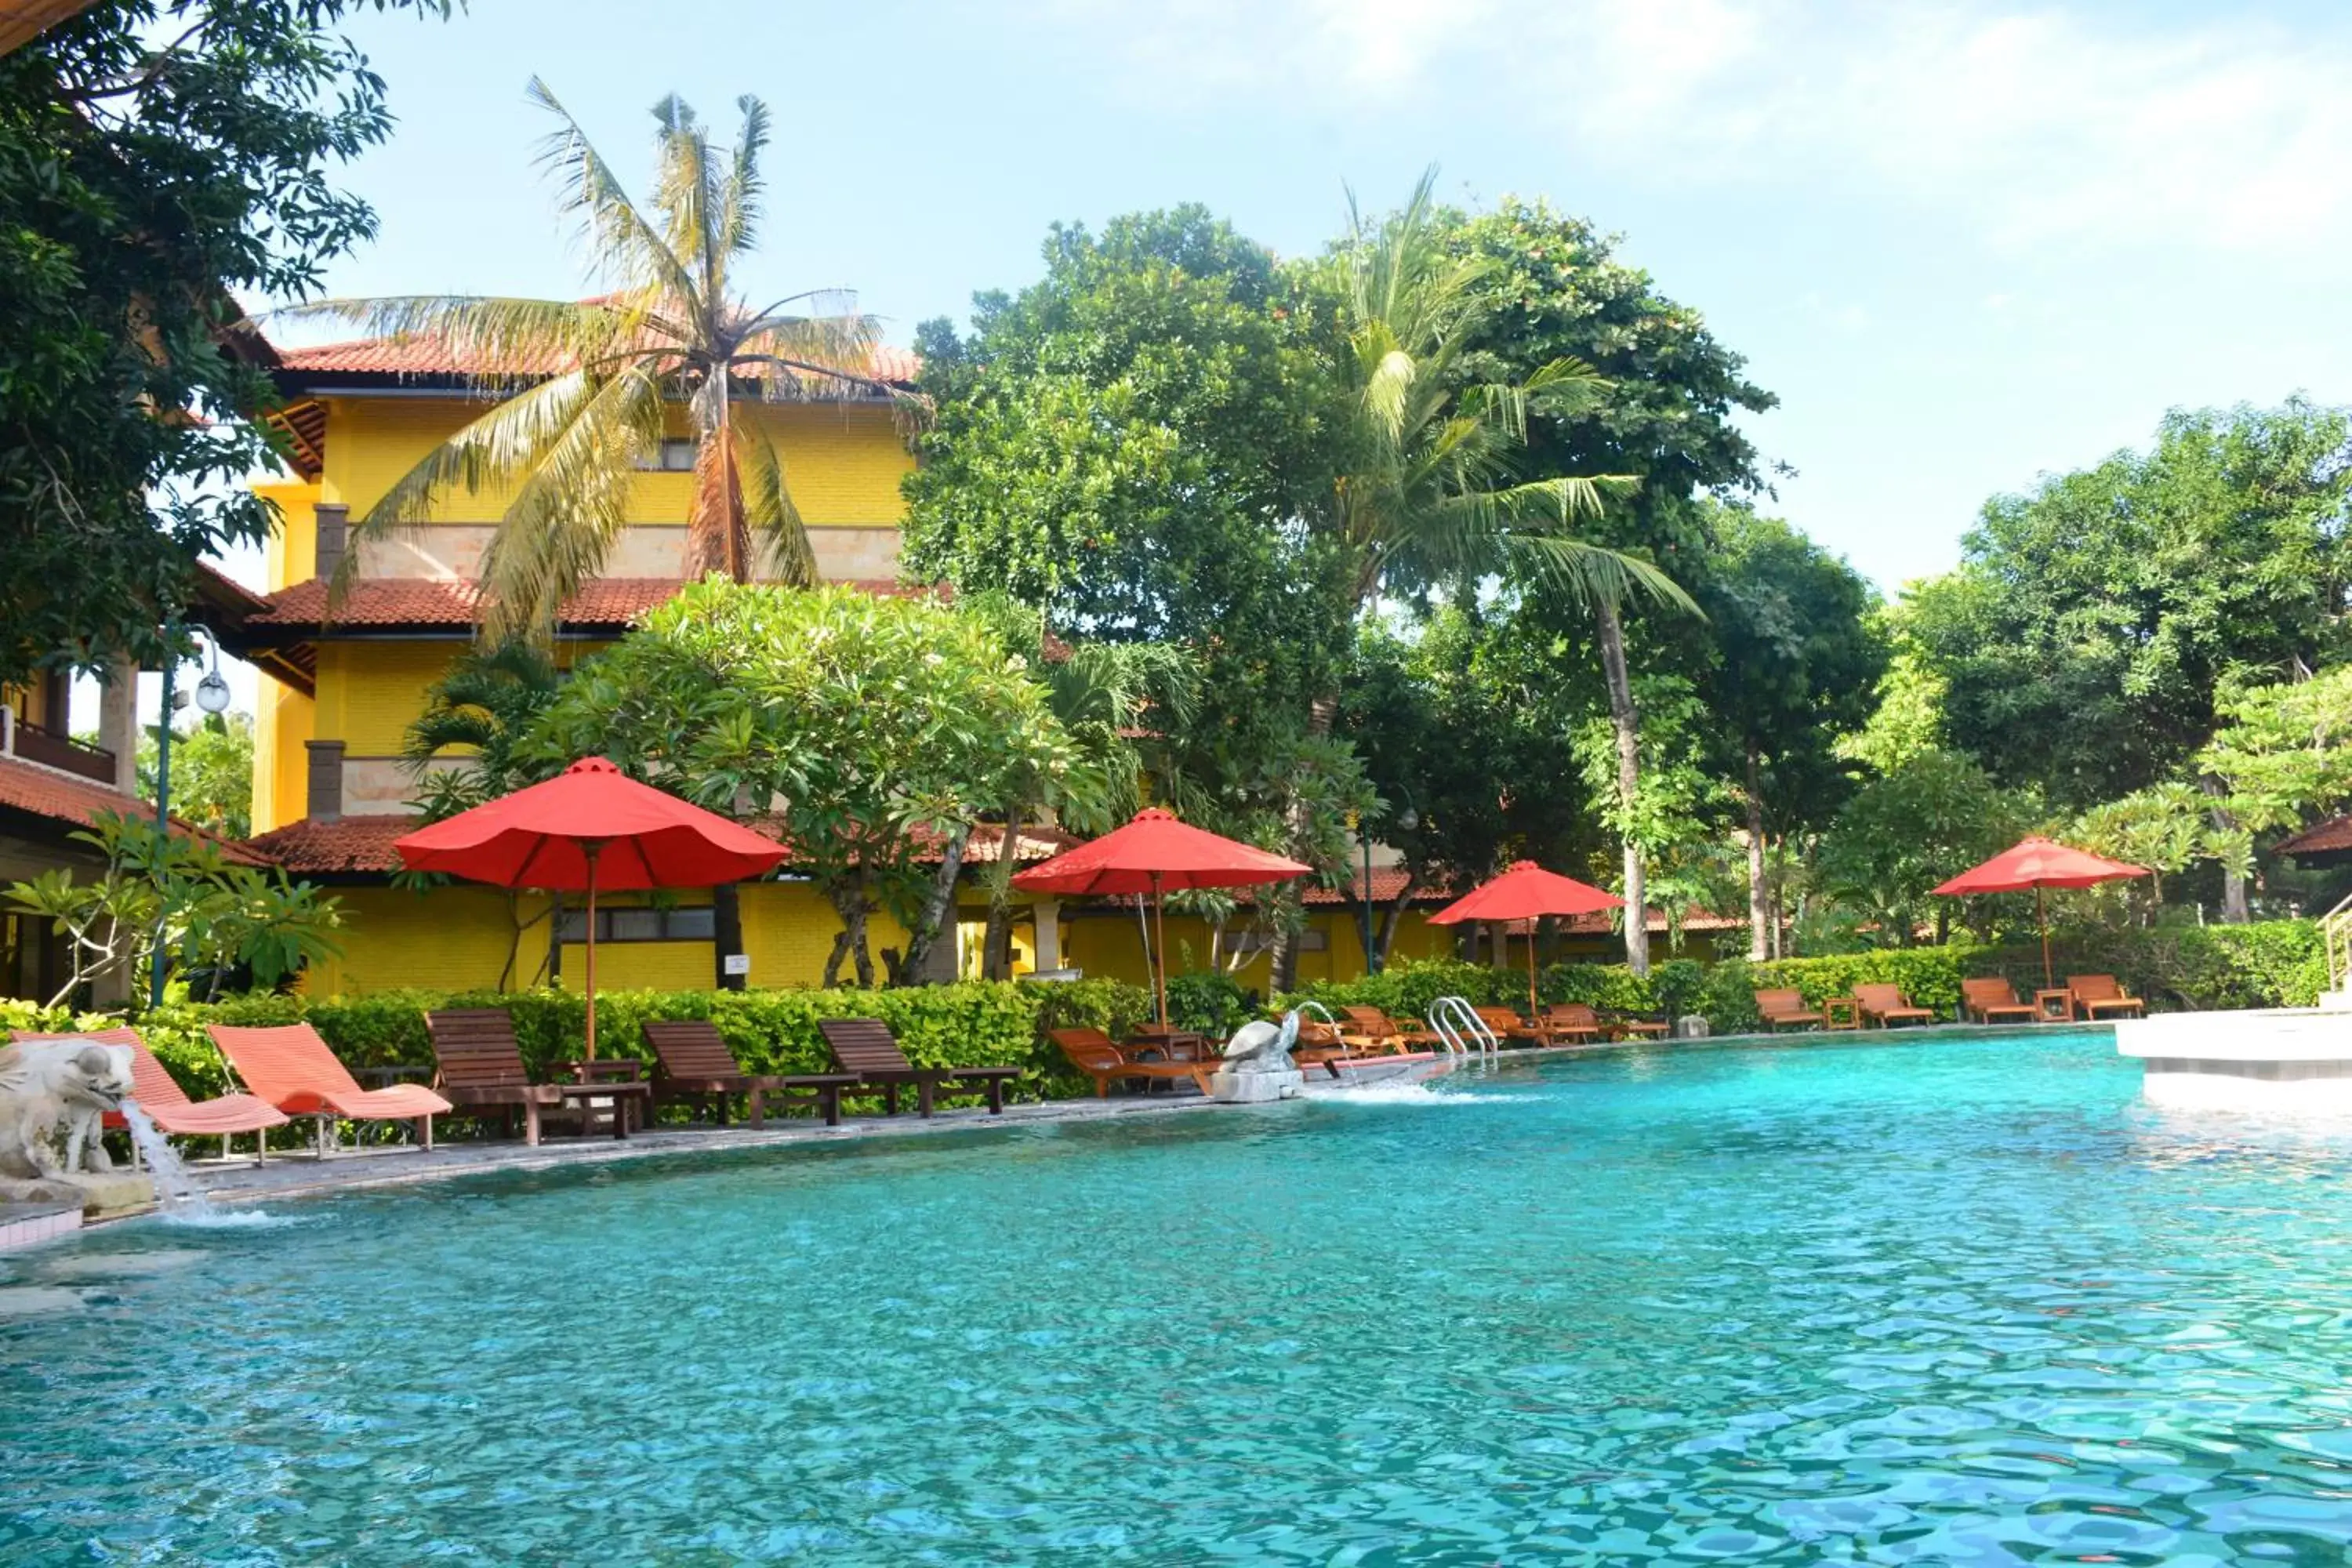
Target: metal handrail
column 2335, row 936
column 1458, row 1025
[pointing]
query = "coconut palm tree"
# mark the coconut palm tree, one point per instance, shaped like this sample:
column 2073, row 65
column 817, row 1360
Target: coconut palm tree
column 589, row 384
column 1432, row 498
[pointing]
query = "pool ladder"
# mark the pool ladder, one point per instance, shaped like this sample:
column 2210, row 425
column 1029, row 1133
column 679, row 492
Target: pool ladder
column 2335, row 936
column 1454, row 1021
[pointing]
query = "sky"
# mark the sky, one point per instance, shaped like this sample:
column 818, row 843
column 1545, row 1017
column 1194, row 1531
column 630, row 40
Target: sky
column 1965, row 245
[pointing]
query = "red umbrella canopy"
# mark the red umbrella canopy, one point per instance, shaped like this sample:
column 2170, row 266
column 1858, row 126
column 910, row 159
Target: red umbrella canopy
column 539, row 838
column 1525, row 892
column 2038, row 863
column 1157, row 853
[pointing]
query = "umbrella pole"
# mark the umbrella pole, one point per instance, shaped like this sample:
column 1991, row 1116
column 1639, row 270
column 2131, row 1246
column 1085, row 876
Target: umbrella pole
column 2042, row 918
column 1159, row 944
column 593, row 848
column 1533, row 1010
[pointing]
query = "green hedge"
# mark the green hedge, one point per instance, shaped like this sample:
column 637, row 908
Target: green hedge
column 976, row 1024
column 2276, row 963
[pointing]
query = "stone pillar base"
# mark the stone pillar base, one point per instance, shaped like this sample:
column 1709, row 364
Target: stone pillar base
column 1256, row 1088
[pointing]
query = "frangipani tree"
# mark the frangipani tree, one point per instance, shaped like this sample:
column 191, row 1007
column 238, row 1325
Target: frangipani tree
column 588, row 385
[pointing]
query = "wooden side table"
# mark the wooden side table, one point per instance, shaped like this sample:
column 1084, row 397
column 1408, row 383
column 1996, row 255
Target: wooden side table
column 2054, row 1005
column 1840, row 1012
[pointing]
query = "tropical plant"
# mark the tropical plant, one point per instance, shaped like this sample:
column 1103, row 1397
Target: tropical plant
column 159, row 886
column 587, row 386
column 482, row 707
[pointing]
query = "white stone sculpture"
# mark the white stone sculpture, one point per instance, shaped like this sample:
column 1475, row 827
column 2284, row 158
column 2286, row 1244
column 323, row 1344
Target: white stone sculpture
column 1257, row 1065
column 54, row 1097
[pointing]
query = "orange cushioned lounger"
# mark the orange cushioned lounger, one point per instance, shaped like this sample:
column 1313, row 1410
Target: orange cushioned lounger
column 291, row 1068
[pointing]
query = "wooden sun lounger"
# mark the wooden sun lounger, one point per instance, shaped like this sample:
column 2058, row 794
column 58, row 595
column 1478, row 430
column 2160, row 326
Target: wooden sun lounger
column 479, row 1065
column 866, row 1047
column 1508, row 1025
column 2099, row 996
column 1574, row 1022
column 1095, row 1054
column 291, row 1068
column 1786, row 1006
column 692, row 1064
column 1989, row 997
column 1889, row 1007
column 167, row 1105
column 1370, row 1030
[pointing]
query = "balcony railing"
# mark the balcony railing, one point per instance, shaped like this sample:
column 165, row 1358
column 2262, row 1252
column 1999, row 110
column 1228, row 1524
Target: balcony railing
column 49, row 749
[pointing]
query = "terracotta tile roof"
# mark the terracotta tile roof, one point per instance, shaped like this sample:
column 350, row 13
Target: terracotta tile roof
column 429, row 356
column 75, row 802
column 2333, row 836
column 425, row 602
column 362, row 845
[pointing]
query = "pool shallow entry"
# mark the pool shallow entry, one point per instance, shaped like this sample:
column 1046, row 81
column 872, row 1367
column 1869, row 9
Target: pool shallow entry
column 1930, row 1302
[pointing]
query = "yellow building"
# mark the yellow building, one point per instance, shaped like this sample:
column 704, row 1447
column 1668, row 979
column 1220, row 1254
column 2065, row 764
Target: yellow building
column 341, row 687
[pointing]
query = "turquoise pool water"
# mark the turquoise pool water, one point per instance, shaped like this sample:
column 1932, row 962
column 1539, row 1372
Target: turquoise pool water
column 1960, row 1302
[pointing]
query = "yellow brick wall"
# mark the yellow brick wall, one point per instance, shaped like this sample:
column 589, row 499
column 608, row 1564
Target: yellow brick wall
column 788, row 931
column 292, row 554
column 445, row 939
column 1111, row 949
column 370, row 692
column 842, row 462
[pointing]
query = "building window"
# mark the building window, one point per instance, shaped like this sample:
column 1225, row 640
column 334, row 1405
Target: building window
column 696, row 924
column 676, row 456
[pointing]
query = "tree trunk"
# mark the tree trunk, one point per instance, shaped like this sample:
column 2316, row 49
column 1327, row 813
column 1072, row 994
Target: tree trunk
column 996, row 946
column 726, row 933
column 850, row 904
column 1394, row 915
column 1759, row 903
column 2234, row 908
column 1628, row 722
column 939, row 910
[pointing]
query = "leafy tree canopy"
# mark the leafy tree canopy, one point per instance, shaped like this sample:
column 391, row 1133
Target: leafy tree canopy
column 864, row 730
column 2093, row 620
column 152, row 159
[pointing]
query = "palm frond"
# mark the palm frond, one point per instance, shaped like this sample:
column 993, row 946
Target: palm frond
column 621, row 243
column 741, row 208
column 570, row 508
column 1592, row 573
column 811, row 356
column 685, row 190
column 769, row 514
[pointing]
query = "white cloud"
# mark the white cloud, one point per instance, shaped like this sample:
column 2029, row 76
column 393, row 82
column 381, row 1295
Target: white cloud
column 2032, row 124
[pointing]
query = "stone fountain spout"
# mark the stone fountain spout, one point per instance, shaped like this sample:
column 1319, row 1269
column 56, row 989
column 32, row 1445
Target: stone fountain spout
column 1257, row 1065
column 54, row 1095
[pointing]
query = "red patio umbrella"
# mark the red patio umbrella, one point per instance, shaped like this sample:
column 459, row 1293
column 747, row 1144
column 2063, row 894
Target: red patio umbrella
column 1527, row 892
column 591, row 826
column 1153, row 853
column 2038, row 863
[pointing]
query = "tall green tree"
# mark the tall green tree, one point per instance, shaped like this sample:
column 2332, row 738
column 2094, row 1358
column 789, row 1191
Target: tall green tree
column 1133, row 445
column 2094, row 619
column 1932, row 818
column 1554, row 290
column 211, row 772
column 668, row 324
column 1797, row 666
column 153, row 159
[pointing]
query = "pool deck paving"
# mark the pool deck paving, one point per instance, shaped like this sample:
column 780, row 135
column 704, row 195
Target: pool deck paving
column 301, row 1174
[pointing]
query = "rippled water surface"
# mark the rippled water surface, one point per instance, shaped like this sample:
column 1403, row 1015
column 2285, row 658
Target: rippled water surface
column 1961, row 1301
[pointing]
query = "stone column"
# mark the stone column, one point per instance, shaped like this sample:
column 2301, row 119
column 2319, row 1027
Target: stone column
column 333, row 523
column 1047, row 915
column 118, row 721
column 326, row 782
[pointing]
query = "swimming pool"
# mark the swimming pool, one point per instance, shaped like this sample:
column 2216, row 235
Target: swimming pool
column 1965, row 1301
